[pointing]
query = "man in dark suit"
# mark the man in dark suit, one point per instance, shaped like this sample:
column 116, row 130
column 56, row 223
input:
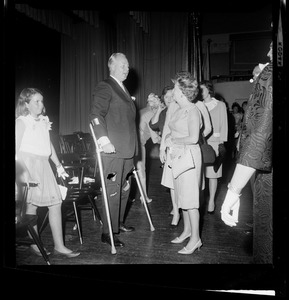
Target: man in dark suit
column 113, row 113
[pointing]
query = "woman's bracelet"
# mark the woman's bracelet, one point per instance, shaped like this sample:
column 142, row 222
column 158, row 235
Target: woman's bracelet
column 58, row 166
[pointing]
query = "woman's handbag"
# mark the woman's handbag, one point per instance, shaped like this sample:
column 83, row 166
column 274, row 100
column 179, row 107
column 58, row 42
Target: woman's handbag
column 208, row 152
column 182, row 163
column 220, row 158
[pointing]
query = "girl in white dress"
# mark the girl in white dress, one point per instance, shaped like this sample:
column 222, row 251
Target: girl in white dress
column 33, row 151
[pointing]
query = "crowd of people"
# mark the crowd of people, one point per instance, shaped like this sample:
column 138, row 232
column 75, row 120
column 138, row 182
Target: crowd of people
column 175, row 120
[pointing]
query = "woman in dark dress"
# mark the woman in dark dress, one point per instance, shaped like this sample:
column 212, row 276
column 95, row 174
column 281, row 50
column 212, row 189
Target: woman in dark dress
column 255, row 157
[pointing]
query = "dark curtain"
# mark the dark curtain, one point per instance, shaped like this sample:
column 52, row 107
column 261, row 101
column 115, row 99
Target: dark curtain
column 36, row 63
column 194, row 46
column 155, row 43
column 155, row 51
column 155, row 54
column 83, row 63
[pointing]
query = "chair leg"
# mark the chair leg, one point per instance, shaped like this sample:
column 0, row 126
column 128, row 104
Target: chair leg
column 77, row 222
column 95, row 209
column 38, row 243
column 43, row 223
column 95, row 168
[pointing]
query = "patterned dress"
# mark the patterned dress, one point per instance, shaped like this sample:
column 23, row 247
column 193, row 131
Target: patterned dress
column 256, row 152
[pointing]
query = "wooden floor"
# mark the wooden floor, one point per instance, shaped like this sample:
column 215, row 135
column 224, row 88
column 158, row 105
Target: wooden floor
column 221, row 244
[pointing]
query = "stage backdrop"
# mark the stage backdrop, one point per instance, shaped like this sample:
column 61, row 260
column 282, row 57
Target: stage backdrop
column 156, row 50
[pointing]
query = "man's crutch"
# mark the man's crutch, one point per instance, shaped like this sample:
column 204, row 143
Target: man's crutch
column 104, row 193
column 143, row 197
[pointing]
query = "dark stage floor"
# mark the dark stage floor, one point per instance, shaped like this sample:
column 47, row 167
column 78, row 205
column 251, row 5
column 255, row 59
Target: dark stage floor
column 221, row 244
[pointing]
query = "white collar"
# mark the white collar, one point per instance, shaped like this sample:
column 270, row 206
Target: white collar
column 212, row 104
column 119, row 82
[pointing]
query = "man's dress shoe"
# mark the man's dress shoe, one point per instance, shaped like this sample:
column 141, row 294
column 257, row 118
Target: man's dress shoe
column 105, row 238
column 124, row 228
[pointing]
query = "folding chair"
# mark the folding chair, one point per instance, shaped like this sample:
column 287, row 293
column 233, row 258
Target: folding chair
column 29, row 221
column 80, row 195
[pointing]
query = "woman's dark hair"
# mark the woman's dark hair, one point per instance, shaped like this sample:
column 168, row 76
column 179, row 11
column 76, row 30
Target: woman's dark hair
column 164, row 91
column 235, row 104
column 25, row 97
column 187, row 84
column 199, row 96
column 209, row 85
column 244, row 103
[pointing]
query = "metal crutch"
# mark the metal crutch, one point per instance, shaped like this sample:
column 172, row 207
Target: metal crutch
column 143, row 197
column 104, row 193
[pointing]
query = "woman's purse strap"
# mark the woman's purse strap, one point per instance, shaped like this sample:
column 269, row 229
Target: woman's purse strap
column 202, row 139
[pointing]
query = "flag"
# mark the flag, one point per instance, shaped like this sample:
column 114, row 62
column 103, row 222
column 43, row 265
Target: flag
column 206, row 63
column 280, row 48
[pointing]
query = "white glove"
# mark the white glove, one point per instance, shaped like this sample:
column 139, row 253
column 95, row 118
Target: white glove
column 231, row 203
column 168, row 141
column 61, row 172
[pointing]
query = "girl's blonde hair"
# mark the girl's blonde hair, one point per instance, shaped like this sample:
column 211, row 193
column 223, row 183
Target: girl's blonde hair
column 25, row 97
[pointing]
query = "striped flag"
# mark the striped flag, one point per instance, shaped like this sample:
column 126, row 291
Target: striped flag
column 280, row 48
column 206, row 63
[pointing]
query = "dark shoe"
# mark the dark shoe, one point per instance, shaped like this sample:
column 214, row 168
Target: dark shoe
column 211, row 212
column 174, row 226
column 123, row 228
column 105, row 238
column 67, row 255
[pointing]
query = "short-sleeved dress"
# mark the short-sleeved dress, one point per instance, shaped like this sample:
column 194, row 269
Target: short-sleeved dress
column 35, row 151
column 187, row 185
column 167, row 178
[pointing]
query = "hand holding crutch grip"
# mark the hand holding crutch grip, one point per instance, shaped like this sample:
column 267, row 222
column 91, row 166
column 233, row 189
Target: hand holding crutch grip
column 104, row 192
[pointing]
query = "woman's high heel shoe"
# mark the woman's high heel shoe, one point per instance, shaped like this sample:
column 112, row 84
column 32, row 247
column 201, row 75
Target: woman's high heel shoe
column 190, row 251
column 35, row 250
column 177, row 240
column 67, row 255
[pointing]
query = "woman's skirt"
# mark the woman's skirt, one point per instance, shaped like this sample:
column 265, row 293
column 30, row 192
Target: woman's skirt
column 47, row 192
column 188, row 185
column 167, row 176
column 209, row 170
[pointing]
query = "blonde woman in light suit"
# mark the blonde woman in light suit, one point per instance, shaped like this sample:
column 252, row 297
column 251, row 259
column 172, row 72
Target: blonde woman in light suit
column 183, row 132
column 167, row 178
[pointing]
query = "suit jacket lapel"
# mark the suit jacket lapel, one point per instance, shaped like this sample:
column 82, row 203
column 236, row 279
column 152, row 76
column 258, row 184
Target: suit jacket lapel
column 118, row 88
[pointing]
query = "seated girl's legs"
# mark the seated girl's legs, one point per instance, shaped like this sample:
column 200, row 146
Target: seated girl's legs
column 31, row 210
column 55, row 221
